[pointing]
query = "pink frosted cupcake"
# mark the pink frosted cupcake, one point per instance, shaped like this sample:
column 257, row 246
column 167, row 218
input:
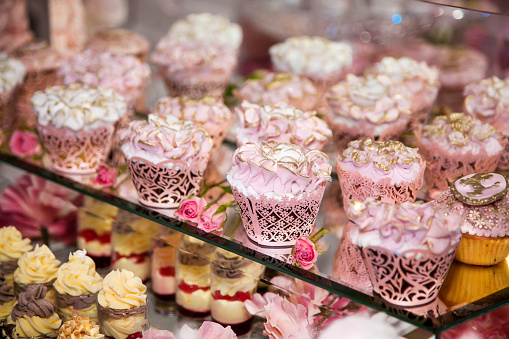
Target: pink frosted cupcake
column 272, row 177
column 209, row 113
column 120, row 42
column 281, row 123
column 166, row 158
column 12, row 73
column 488, row 101
column 456, row 145
column 368, row 106
column 15, row 27
column 274, row 88
column 407, row 248
column 387, row 171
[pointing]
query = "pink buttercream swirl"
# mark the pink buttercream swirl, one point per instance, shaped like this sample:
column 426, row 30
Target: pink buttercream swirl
column 376, row 99
column 279, row 168
column 119, row 41
column 281, row 123
column 403, row 226
column 125, row 74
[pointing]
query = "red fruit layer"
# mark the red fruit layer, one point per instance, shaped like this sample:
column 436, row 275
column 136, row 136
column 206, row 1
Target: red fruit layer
column 90, row 235
column 191, row 288
column 167, row 271
column 239, row 296
column 137, row 258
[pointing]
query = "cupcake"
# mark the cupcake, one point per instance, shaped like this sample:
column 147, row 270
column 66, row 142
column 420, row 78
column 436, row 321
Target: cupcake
column 209, row 113
column 12, row 247
column 37, row 267
column 281, row 123
column 122, row 306
column 407, row 248
column 79, row 327
column 387, row 171
column 481, row 199
column 7, row 299
column 76, row 125
column 34, row 315
column 269, row 88
column 271, row 177
column 76, row 287
column 119, row 41
column 457, row 145
column 12, row 73
column 164, row 253
column 15, row 29
column 371, row 106
column 165, row 150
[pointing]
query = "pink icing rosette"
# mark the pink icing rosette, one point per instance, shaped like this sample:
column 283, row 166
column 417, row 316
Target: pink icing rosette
column 193, row 68
column 281, row 123
column 274, row 88
column 278, row 188
column 167, row 159
column 208, row 112
column 369, row 106
column 407, row 248
column 388, row 171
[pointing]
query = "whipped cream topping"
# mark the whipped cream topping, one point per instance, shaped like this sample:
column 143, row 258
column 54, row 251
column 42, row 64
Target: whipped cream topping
column 375, row 99
column 207, row 27
column 122, row 291
column 12, row 72
column 312, row 56
column 164, row 138
column 403, row 226
column 36, row 267
column 78, row 276
column 281, row 123
column 12, row 244
column 460, row 133
column 487, row 99
column 378, row 160
column 78, row 107
column 278, row 168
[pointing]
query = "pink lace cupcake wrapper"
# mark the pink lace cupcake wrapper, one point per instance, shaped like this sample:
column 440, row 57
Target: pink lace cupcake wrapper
column 214, row 86
column 278, row 223
column 168, row 183
column 7, row 100
column 503, row 164
column 77, row 152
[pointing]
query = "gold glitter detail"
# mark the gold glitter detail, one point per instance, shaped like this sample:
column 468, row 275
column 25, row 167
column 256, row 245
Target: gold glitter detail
column 279, row 80
column 475, row 183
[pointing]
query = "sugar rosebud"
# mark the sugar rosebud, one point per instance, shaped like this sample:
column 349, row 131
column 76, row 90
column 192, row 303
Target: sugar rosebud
column 191, row 209
column 305, row 253
column 23, row 144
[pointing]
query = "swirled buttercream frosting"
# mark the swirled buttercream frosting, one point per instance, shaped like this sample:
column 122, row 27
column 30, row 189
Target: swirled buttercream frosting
column 78, row 107
column 277, row 168
column 78, row 276
column 118, row 41
column 6, row 292
column 12, row 72
column 164, row 138
column 458, row 133
column 79, row 327
column 36, row 267
column 122, row 291
column 488, row 99
column 312, row 56
column 31, row 302
column 382, row 159
column 375, row 99
column 12, row 244
column 207, row 27
column 281, row 123
column 403, row 226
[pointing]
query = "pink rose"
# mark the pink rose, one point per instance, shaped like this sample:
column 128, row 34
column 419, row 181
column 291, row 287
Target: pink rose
column 23, row 144
column 191, row 209
column 286, row 320
column 305, row 253
column 256, row 305
column 209, row 221
column 106, row 176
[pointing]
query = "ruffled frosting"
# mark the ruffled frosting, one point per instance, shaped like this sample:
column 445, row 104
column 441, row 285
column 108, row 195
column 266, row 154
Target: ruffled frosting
column 312, row 56
column 27, row 327
column 122, row 328
column 36, row 267
column 39, row 57
column 31, row 302
column 375, row 99
column 12, row 244
column 78, row 107
column 79, row 327
column 122, row 291
column 278, row 168
column 123, row 73
column 403, row 226
column 118, row 41
column 281, row 123
column 78, row 276
column 207, row 27
column 488, row 99
column 12, row 72
column 165, row 138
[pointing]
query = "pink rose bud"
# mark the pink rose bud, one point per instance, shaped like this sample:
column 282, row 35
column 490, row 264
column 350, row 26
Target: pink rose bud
column 106, row 176
column 305, row 253
column 191, row 209
column 209, row 221
column 23, row 144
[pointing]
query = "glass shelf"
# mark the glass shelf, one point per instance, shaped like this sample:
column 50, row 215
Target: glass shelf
column 484, row 6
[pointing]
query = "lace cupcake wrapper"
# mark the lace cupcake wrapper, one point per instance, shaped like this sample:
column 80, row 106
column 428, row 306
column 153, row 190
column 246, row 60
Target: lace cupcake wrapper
column 195, row 88
column 7, row 100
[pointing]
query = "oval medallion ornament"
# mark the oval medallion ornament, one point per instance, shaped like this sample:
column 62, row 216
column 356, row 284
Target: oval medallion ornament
column 480, row 188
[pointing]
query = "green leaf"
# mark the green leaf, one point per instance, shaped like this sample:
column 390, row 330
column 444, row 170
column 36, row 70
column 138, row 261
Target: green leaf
column 227, row 189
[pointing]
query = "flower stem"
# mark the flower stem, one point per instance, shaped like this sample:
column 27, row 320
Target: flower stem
column 45, row 236
column 319, row 235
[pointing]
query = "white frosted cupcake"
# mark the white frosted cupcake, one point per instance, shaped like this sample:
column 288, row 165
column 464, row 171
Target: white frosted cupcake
column 12, row 73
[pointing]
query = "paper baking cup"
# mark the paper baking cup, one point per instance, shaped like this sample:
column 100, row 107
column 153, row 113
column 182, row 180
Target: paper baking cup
column 7, row 100
column 483, row 251
column 279, row 223
column 76, row 152
column 197, row 88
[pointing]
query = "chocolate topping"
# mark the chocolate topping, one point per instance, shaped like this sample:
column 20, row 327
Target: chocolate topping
column 8, row 267
column 31, row 303
column 119, row 314
column 77, row 302
column 7, row 330
column 6, row 293
column 228, row 267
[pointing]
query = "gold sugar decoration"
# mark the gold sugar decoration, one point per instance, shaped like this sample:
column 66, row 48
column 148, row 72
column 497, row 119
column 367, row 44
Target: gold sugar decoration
column 476, row 182
column 280, row 79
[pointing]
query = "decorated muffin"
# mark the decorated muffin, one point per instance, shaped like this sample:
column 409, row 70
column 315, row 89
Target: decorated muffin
column 371, row 106
column 119, row 42
column 12, row 73
column 456, row 145
column 7, row 299
column 12, row 247
column 79, row 327
column 417, row 240
column 388, row 171
column 173, row 151
column 481, row 199
column 271, row 176
column 76, row 124
column 268, row 88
